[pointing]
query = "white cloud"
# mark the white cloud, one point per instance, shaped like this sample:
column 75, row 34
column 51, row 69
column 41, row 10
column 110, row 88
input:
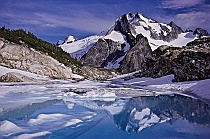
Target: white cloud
column 177, row 4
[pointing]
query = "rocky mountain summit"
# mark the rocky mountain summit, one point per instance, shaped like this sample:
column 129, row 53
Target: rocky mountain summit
column 127, row 44
column 136, row 42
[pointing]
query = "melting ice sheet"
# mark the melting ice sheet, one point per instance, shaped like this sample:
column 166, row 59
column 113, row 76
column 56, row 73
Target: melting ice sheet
column 96, row 110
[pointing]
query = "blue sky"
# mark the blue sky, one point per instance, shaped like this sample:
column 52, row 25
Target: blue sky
column 51, row 20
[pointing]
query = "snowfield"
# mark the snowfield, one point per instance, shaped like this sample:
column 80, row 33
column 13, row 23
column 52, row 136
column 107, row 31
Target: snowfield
column 78, row 48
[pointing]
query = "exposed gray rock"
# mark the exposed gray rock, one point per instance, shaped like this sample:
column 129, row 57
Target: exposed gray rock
column 136, row 57
column 189, row 63
column 192, row 66
column 201, row 32
column 102, row 52
column 92, row 73
column 16, row 77
column 21, row 57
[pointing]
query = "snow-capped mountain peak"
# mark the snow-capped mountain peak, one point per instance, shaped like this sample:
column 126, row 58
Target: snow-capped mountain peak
column 70, row 39
column 131, row 25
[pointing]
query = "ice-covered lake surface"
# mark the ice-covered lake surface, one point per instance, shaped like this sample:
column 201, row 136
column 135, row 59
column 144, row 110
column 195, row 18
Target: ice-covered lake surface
column 87, row 110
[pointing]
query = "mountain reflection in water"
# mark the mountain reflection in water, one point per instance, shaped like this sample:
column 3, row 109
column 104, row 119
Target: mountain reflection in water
column 142, row 112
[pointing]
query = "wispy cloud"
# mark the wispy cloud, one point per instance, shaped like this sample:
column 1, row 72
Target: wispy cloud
column 194, row 20
column 189, row 20
column 70, row 16
column 178, row 4
column 81, row 21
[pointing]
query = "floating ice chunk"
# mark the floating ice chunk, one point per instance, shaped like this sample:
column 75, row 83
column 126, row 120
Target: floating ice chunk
column 43, row 118
column 7, row 127
column 29, row 136
column 72, row 122
column 87, row 117
column 70, row 106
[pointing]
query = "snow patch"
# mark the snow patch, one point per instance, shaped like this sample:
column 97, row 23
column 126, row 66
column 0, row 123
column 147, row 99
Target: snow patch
column 5, row 70
column 116, row 36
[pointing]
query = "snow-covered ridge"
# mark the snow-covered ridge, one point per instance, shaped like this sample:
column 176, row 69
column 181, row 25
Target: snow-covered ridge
column 78, row 48
column 150, row 24
column 150, row 28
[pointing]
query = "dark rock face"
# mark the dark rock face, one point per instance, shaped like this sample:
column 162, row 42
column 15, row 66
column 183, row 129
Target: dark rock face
column 102, row 52
column 201, row 32
column 170, row 34
column 189, row 63
column 192, row 66
column 136, row 57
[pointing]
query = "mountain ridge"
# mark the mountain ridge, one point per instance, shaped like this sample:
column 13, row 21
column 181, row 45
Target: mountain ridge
column 130, row 43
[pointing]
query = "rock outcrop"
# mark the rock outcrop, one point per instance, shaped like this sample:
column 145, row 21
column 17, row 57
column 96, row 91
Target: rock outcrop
column 101, row 74
column 21, row 57
column 103, row 52
column 137, row 56
column 200, row 32
column 191, row 62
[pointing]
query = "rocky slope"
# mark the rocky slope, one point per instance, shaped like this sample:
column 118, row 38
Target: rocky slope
column 191, row 62
column 21, row 57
